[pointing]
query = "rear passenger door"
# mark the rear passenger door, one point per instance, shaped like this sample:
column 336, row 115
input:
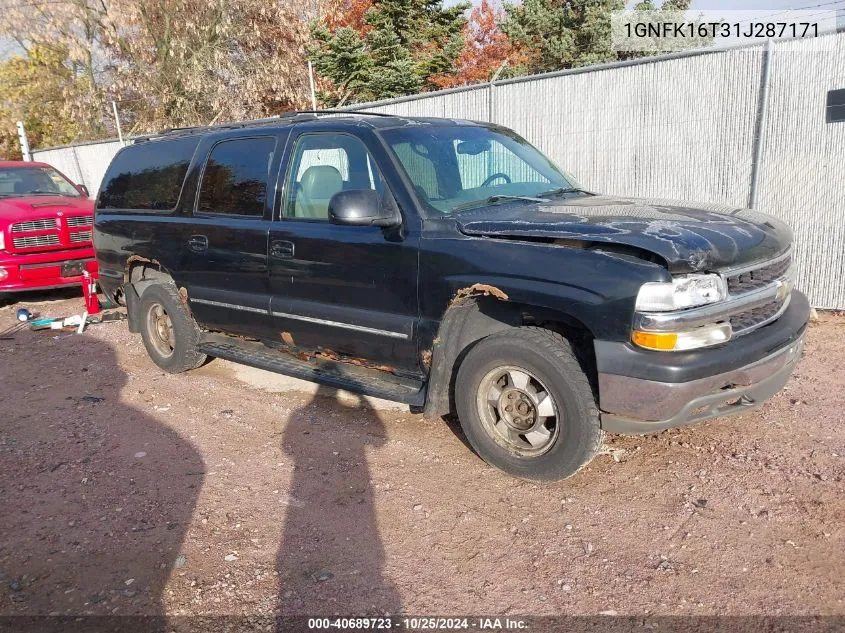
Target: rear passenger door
column 225, row 246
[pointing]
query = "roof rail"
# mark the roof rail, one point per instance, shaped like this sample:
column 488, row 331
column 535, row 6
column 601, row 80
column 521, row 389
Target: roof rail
column 285, row 117
column 346, row 112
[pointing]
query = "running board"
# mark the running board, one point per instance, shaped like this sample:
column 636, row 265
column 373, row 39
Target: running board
column 335, row 374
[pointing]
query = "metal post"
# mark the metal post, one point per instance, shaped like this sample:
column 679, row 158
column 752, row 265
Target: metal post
column 117, row 122
column 311, row 82
column 81, row 179
column 760, row 131
column 491, row 99
column 27, row 156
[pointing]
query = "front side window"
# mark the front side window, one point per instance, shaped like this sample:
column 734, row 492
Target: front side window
column 235, row 177
column 35, row 181
column 325, row 164
column 454, row 168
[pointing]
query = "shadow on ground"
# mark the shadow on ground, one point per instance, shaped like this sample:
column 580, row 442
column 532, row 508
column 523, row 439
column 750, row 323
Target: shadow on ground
column 331, row 558
column 95, row 496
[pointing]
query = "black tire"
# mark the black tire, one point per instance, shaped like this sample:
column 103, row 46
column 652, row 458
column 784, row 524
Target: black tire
column 182, row 332
column 553, row 368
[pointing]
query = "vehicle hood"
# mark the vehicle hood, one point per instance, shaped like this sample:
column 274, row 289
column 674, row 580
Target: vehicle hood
column 42, row 206
column 689, row 237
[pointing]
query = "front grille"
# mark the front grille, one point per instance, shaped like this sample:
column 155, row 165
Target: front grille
column 36, row 240
column 34, row 225
column 80, row 236
column 759, row 277
column 754, row 317
column 80, row 220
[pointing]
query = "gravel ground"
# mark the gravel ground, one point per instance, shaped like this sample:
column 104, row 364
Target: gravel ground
column 129, row 491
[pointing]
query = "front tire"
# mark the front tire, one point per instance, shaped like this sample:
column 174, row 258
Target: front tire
column 526, row 405
column 168, row 330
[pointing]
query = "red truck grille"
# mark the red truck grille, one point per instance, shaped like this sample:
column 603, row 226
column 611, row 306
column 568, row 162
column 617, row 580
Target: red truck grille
column 80, row 236
column 49, row 234
column 36, row 240
column 34, row 225
column 80, row 220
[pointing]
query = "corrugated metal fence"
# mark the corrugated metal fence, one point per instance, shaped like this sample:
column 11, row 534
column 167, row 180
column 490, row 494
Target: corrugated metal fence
column 686, row 126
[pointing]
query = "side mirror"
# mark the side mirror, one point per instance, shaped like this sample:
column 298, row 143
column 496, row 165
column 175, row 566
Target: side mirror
column 361, row 207
column 83, row 190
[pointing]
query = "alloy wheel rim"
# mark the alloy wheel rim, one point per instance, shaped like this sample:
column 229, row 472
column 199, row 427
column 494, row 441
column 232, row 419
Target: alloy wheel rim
column 160, row 327
column 517, row 411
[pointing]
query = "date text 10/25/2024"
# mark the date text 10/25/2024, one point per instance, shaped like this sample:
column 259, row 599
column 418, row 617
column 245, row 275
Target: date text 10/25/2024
column 418, row 623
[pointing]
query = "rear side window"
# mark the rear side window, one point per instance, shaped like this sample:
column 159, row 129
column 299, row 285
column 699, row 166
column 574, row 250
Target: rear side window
column 147, row 176
column 235, row 177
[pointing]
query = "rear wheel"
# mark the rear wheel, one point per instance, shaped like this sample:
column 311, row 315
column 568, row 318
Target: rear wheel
column 168, row 330
column 526, row 406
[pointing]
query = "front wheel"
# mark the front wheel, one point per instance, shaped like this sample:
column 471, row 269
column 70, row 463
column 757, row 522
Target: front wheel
column 168, row 330
column 526, row 406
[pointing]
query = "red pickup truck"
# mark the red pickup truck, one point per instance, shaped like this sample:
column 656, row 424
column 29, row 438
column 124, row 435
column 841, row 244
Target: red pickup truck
column 45, row 228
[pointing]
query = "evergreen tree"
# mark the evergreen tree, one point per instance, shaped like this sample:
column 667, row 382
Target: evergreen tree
column 559, row 34
column 400, row 48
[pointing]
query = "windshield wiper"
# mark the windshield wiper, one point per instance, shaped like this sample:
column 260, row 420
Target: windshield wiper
column 493, row 200
column 562, row 190
column 41, row 192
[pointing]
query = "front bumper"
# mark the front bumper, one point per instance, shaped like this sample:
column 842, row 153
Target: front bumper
column 659, row 390
column 40, row 271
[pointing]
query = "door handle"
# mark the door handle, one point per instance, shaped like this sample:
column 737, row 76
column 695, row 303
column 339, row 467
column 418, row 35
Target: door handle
column 281, row 249
column 198, row 243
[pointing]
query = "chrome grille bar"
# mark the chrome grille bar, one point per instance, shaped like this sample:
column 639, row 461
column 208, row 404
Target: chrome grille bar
column 35, row 241
column 34, row 225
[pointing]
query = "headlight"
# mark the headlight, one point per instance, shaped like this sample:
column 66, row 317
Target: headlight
column 688, row 291
column 2, row 241
column 704, row 336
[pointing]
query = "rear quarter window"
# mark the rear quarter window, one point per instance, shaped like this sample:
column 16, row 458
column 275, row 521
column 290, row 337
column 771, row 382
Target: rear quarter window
column 147, row 176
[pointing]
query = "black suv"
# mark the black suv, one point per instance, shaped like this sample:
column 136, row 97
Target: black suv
column 449, row 265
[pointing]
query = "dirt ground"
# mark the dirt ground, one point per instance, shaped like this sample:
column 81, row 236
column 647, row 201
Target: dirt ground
column 129, row 491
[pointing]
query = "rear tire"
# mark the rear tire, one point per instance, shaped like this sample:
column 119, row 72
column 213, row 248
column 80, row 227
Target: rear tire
column 169, row 332
column 526, row 405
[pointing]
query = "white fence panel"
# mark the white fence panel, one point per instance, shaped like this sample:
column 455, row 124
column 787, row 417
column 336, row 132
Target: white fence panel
column 84, row 164
column 803, row 162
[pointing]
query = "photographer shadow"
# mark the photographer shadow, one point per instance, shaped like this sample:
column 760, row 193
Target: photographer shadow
column 331, row 559
column 96, row 496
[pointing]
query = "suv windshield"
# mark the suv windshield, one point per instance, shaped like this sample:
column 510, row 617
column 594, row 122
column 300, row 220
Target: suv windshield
column 34, row 181
column 457, row 168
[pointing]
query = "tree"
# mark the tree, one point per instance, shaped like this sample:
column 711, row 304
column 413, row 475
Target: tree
column 188, row 62
column 169, row 62
column 558, row 34
column 486, row 48
column 399, row 47
column 347, row 13
column 36, row 88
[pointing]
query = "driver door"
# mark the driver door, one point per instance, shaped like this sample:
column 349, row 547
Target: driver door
column 347, row 290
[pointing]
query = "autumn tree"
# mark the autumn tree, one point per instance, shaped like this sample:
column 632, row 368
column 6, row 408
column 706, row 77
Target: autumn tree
column 35, row 90
column 352, row 13
column 399, row 48
column 486, row 49
column 169, row 62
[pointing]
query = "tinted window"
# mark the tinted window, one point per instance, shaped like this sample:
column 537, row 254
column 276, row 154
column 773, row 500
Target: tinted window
column 323, row 165
column 147, row 175
column 235, row 177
